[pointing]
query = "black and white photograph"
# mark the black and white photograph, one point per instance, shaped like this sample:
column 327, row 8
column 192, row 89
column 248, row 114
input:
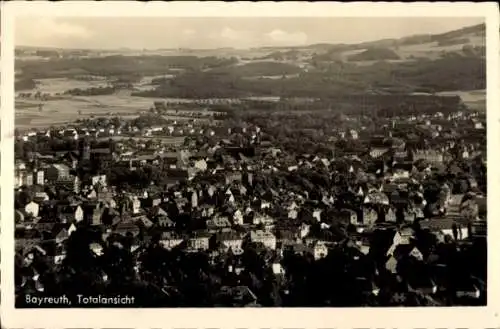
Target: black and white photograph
column 249, row 162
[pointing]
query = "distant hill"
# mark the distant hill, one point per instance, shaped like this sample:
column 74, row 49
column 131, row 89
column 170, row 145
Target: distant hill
column 478, row 30
column 289, row 55
column 451, row 61
column 407, row 48
column 374, row 54
column 447, row 37
column 265, row 68
column 463, row 33
column 424, row 46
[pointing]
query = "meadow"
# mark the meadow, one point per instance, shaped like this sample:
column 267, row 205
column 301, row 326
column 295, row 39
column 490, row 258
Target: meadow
column 65, row 108
column 474, row 99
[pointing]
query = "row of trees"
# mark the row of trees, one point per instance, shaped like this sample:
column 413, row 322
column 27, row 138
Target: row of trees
column 44, row 145
column 94, row 91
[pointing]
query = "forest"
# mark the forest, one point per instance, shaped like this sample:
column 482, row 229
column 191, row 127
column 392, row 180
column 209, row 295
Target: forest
column 117, row 66
column 446, row 74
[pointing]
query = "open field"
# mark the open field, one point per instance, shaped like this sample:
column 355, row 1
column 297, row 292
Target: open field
column 60, row 85
column 475, row 99
column 433, row 50
column 70, row 108
column 467, row 96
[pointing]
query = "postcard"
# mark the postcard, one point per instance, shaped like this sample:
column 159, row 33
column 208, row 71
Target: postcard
column 211, row 164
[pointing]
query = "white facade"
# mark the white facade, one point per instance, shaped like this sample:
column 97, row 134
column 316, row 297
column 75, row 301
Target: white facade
column 320, row 251
column 79, row 214
column 266, row 238
column 32, row 208
column 171, row 243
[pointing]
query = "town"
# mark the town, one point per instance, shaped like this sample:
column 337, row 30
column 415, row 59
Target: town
column 297, row 205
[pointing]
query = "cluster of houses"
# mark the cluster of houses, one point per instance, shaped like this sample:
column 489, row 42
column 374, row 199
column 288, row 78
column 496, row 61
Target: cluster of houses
column 235, row 208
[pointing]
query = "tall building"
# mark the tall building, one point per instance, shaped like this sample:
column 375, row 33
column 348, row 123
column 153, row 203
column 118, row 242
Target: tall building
column 84, row 149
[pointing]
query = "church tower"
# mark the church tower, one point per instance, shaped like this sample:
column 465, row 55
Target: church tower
column 84, row 149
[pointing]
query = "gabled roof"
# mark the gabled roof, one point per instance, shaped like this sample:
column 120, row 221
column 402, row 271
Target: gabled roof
column 159, row 211
column 60, row 167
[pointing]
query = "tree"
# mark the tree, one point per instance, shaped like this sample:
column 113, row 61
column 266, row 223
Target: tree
column 469, row 209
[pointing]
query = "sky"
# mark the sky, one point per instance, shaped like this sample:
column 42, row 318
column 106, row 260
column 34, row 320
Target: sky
column 213, row 32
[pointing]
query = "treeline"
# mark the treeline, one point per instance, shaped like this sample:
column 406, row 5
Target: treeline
column 160, row 80
column 355, row 104
column 148, row 120
column 47, row 53
column 24, row 84
column 94, row 91
column 283, row 55
column 118, row 65
column 452, row 42
column 374, row 54
column 260, row 69
column 456, row 73
column 51, row 145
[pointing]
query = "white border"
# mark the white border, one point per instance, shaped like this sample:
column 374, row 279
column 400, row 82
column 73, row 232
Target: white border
column 456, row 317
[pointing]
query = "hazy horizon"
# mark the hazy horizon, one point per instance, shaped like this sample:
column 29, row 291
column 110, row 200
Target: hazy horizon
column 110, row 33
